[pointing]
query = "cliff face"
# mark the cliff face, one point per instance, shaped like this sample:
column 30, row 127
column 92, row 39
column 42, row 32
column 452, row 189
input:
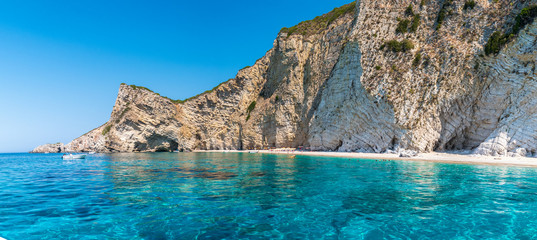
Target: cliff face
column 505, row 114
column 141, row 121
column 371, row 76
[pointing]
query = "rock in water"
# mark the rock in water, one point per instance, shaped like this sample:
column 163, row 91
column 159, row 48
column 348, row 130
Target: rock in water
column 49, row 148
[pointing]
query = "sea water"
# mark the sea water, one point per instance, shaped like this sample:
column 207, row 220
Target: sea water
column 261, row 196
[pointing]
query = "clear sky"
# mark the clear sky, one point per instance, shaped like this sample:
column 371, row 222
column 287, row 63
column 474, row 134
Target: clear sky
column 61, row 62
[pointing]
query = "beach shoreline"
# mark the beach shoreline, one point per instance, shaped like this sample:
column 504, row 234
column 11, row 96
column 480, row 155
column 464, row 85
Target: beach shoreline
column 440, row 157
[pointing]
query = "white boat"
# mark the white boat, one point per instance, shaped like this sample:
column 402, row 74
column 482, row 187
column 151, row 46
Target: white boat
column 71, row 156
column 253, row 151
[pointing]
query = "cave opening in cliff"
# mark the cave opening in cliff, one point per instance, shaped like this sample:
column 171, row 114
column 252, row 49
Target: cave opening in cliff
column 170, row 146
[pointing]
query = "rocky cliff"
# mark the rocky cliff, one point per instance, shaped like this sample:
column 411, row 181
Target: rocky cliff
column 369, row 76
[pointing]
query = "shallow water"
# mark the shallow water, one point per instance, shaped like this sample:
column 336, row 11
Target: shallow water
column 260, row 196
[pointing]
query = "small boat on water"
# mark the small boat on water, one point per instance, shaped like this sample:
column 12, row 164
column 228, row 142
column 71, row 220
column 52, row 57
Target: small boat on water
column 253, row 151
column 71, row 156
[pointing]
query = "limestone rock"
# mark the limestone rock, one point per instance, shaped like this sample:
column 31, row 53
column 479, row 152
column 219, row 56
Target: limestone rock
column 506, row 116
column 49, row 148
column 333, row 84
column 408, row 153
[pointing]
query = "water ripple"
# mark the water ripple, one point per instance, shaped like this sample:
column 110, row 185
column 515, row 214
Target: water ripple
column 256, row 196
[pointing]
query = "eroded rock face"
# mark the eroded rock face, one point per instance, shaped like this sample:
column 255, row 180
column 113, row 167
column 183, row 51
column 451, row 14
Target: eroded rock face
column 340, row 88
column 141, row 121
column 506, row 113
column 348, row 117
column 48, row 148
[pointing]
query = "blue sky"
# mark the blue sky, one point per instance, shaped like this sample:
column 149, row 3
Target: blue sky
column 61, row 62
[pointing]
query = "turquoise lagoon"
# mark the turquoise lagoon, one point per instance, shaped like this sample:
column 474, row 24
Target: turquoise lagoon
column 261, row 196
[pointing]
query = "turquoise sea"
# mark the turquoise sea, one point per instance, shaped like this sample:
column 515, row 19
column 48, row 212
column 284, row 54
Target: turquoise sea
column 261, row 196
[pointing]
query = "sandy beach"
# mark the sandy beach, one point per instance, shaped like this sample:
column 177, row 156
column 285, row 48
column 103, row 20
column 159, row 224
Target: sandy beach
column 443, row 157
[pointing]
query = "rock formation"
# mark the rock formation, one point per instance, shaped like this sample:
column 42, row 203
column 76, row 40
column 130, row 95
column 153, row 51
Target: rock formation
column 370, row 76
column 49, row 148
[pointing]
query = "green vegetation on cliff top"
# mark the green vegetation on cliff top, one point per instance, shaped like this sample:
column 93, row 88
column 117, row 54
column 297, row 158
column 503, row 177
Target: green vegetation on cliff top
column 319, row 23
column 208, row 91
column 178, row 100
column 147, row 89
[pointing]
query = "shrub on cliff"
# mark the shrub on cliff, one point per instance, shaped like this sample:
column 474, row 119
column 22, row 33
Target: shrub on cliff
column 140, row 87
column 416, row 20
column 469, row 5
column 407, row 45
column 107, row 129
column 497, row 40
column 444, row 12
column 526, row 16
column 495, row 43
column 409, row 11
column 402, row 26
column 123, row 113
column 251, row 107
column 417, row 60
column 396, row 46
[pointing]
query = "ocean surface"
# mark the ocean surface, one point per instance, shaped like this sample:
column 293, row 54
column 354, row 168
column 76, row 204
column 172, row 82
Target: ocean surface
column 260, row 196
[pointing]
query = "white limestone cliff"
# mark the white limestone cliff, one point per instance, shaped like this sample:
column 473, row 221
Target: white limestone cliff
column 333, row 84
